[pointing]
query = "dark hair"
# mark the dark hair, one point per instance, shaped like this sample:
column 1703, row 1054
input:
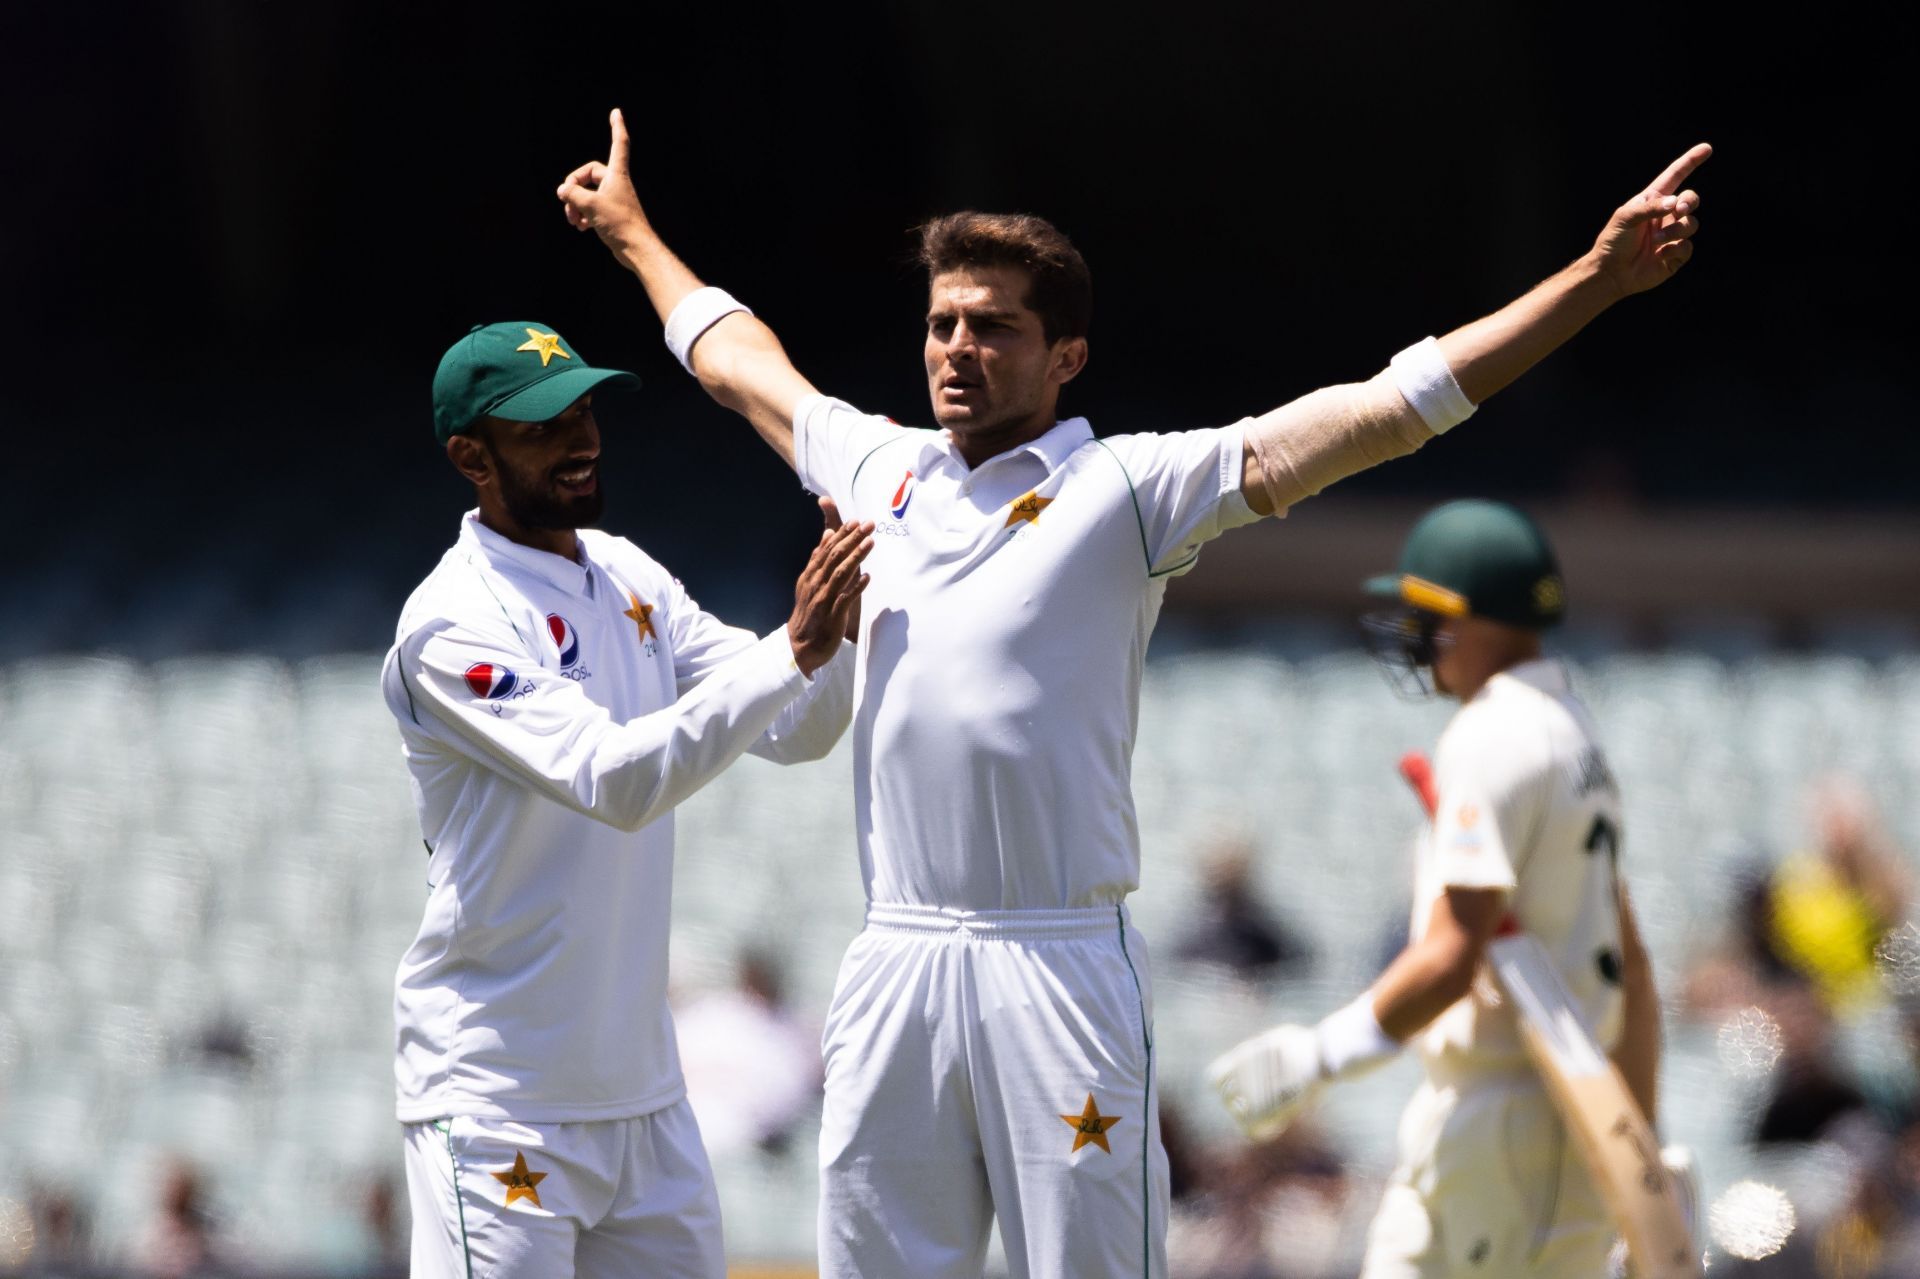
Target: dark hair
column 1059, row 289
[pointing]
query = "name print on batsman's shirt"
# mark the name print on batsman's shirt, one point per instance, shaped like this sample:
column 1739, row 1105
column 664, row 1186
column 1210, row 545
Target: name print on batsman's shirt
column 1003, row 637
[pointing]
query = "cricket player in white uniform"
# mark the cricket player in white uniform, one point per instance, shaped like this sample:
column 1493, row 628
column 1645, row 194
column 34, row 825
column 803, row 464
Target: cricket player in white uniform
column 989, row 1050
column 558, row 694
column 1526, row 833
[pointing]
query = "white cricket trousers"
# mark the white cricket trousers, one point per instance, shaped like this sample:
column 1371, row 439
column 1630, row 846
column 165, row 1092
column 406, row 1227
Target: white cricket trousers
column 496, row 1199
column 1490, row 1185
column 983, row 1063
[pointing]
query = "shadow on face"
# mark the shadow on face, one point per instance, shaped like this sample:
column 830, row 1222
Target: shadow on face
column 990, row 367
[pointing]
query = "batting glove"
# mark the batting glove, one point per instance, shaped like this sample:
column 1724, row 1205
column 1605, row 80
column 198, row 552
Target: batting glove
column 1266, row 1081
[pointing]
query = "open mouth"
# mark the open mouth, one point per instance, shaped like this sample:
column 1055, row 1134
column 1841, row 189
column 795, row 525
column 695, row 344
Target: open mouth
column 578, row 480
column 954, row 388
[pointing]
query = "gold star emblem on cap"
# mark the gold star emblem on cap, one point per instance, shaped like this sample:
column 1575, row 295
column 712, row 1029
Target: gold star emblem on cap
column 1090, row 1126
column 1028, row 508
column 546, row 344
column 642, row 615
column 520, row 1183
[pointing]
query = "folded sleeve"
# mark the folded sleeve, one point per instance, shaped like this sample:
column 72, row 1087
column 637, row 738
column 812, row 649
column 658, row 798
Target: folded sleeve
column 1186, row 491
column 480, row 694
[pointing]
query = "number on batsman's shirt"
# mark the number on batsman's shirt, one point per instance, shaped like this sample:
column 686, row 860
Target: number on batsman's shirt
column 1526, row 804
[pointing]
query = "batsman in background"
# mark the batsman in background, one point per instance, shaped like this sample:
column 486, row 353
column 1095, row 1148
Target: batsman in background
column 1526, row 831
column 989, row 1050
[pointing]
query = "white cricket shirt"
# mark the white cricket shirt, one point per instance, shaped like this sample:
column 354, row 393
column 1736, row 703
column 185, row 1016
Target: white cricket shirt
column 552, row 713
column 1526, row 804
column 1003, row 635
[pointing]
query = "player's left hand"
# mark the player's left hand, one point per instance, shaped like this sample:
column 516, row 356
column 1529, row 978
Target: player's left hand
column 1651, row 236
column 600, row 195
column 1268, row 1080
column 830, row 512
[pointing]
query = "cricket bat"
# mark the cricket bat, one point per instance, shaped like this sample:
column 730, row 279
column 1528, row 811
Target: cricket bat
column 1615, row 1140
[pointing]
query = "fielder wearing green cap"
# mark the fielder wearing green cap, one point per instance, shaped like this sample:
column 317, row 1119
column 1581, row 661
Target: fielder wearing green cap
column 1526, row 834
column 558, row 693
column 513, row 404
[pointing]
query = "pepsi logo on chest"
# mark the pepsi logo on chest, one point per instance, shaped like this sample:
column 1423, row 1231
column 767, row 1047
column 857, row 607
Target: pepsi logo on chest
column 566, row 641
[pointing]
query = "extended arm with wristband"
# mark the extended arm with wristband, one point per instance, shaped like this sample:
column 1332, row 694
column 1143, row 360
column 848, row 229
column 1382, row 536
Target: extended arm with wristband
column 738, row 360
column 1300, row 448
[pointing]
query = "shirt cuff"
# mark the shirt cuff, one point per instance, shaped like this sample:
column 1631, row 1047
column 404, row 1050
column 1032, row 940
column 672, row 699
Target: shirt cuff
column 778, row 647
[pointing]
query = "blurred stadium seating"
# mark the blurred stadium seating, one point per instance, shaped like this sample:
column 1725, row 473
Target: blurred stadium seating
column 209, row 867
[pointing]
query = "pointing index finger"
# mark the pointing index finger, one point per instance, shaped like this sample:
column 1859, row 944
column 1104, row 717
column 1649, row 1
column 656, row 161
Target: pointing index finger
column 617, row 156
column 1669, row 182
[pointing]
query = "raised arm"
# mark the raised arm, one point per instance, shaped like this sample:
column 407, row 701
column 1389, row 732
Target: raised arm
column 737, row 358
column 1297, row 450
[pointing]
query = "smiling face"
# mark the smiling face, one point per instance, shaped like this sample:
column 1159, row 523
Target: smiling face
column 993, row 377
column 537, row 481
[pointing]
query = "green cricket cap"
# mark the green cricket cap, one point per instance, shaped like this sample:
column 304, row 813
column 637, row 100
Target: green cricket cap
column 515, row 370
column 1481, row 559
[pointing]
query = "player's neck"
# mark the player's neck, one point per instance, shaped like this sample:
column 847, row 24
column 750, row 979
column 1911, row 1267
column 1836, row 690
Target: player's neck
column 990, row 442
column 1496, row 662
column 564, row 542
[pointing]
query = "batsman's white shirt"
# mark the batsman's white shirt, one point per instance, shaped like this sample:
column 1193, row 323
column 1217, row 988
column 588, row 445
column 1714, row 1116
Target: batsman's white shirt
column 1003, row 637
column 1526, row 804
column 1488, row 1181
column 552, row 714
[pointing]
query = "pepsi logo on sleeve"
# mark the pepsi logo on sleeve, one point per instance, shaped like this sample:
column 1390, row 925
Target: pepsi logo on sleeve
column 491, row 683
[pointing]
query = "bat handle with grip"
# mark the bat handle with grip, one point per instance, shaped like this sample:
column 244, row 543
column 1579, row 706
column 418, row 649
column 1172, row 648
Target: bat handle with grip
column 1418, row 772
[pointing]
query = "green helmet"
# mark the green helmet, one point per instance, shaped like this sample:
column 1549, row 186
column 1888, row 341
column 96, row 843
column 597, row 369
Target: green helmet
column 1480, row 559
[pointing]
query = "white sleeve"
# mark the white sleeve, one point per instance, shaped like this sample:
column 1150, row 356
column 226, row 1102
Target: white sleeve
column 807, row 728
column 1186, row 488
column 831, row 439
column 1483, row 823
column 482, row 696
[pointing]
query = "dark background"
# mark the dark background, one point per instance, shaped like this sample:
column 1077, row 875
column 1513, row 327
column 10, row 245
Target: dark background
column 237, row 238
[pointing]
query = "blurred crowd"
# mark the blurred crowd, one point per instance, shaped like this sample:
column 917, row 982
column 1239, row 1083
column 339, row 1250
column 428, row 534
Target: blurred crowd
column 1820, row 958
column 1817, row 969
column 1817, row 957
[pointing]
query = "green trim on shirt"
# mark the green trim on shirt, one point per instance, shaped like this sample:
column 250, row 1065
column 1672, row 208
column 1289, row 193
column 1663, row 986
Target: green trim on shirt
column 904, row 435
column 1146, row 552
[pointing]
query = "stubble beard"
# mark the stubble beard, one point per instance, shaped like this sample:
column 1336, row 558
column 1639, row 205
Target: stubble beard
column 537, row 506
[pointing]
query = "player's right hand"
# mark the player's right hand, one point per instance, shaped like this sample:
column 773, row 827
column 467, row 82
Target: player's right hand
column 827, row 594
column 600, row 195
column 1266, row 1082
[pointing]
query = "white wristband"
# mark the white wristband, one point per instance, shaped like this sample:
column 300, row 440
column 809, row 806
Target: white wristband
column 697, row 312
column 1351, row 1039
column 1426, row 380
